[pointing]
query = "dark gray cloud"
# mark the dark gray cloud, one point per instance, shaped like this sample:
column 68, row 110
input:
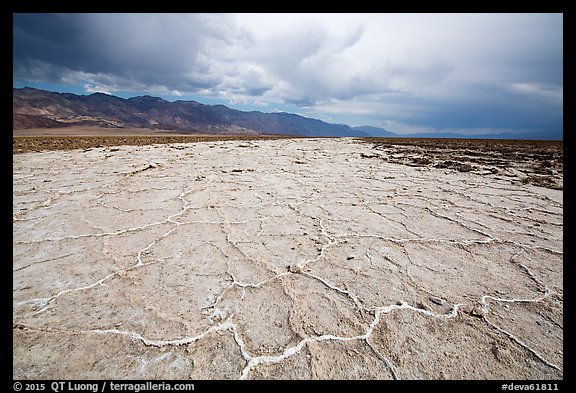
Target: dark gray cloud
column 132, row 49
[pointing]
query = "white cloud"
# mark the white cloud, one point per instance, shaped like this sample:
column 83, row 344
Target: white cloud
column 89, row 88
column 542, row 90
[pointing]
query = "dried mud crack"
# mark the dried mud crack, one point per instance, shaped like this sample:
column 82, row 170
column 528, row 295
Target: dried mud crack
column 283, row 259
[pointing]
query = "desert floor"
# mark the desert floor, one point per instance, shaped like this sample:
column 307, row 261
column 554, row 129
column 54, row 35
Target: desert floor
column 287, row 259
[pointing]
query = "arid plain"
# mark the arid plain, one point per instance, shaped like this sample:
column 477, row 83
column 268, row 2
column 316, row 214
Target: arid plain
column 281, row 258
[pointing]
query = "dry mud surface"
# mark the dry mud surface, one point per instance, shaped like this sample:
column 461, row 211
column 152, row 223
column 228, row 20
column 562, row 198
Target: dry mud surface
column 284, row 259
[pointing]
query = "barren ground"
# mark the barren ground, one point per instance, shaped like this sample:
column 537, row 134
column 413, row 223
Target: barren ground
column 288, row 259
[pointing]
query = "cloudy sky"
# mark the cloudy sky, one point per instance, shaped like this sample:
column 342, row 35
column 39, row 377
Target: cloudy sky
column 468, row 73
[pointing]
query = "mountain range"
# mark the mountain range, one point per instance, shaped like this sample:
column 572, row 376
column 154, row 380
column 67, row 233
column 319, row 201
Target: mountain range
column 35, row 108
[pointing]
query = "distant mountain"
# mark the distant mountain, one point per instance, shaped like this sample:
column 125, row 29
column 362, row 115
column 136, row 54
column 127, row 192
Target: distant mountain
column 374, row 131
column 524, row 135
column 34, row 108
column 380, row 132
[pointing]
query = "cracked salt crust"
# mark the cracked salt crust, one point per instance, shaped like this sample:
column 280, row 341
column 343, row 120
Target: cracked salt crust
column 295, row 259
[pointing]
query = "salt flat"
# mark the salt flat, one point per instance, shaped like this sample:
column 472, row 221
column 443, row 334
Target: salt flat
column 283, row 259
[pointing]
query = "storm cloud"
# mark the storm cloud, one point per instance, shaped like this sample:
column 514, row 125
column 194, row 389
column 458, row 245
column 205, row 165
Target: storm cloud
column 413, row 71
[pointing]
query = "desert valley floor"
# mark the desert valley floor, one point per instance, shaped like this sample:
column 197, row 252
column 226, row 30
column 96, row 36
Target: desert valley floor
column 288, row 259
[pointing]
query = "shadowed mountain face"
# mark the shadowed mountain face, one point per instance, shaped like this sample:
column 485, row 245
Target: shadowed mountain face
column 33, row 108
